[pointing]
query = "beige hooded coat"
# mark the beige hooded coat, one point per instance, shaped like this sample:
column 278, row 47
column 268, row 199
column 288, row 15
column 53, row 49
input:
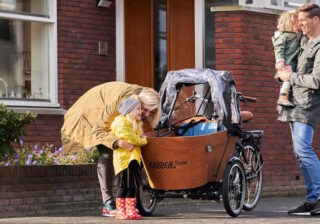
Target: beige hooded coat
column 87, row 122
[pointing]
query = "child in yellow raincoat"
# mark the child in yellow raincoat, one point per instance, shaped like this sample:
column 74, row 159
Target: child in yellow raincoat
column 128, row 126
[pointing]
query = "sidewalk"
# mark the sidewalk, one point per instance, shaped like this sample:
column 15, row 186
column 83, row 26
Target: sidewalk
column 269, row 210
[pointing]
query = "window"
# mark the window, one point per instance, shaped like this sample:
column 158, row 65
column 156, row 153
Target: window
column 222, row 2
column 289, row 3
column 276, row 4
column 28, row 74
column 296, row 3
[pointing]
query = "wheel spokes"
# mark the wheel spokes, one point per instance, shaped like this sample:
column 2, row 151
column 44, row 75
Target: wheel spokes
column 235, row 188
column 253, row 175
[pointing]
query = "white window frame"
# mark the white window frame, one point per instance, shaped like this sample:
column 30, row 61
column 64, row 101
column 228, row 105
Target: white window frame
column 120, row 42
column 51, row 20
column 199, row 32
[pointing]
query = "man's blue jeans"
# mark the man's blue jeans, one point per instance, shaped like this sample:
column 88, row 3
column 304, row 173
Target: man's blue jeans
column 302, row 136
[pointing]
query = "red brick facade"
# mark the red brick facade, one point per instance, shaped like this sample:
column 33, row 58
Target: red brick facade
column 243, row 46
column 46, row 129
column 81, row 25
column 40, row 190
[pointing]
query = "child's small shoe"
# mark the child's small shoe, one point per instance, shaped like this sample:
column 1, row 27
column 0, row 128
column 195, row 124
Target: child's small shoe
column 285, row 103
column 109, row 209
column 284, row 100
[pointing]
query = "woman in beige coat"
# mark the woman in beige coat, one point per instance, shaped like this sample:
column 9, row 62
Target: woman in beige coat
column 87, row 124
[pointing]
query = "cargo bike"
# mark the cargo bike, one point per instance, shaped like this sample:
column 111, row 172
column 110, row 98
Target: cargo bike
column 199, row 150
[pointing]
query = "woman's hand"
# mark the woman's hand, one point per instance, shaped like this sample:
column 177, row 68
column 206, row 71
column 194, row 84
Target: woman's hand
column 126, row 145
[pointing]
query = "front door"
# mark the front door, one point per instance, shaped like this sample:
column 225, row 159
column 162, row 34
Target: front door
column 159, row 37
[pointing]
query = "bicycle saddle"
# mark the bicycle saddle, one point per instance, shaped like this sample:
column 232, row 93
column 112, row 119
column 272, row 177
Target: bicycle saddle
column 246, row 116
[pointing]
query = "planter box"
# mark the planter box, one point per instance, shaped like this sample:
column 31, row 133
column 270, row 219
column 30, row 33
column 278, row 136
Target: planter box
column 40, row 190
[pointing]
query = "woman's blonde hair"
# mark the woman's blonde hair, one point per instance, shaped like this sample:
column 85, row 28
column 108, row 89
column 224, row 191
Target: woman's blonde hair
column 288, row 22
column 150, row 100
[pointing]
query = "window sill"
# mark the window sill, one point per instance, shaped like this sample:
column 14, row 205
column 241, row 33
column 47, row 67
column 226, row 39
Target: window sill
column 246, row 8
column 39, row 110
column 29, row 103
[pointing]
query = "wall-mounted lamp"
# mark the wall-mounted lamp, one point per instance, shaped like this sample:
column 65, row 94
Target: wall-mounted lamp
column 103, row 3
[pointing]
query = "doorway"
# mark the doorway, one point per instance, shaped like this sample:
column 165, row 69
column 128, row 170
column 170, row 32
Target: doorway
column 159, row 36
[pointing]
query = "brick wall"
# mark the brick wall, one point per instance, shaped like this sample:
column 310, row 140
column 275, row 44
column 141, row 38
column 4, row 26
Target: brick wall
column 46, row 129
column 243, row 46
column 40, row 190
column 81, row 25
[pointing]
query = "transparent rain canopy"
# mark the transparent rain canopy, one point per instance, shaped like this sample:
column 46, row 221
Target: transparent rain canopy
column 222, row 90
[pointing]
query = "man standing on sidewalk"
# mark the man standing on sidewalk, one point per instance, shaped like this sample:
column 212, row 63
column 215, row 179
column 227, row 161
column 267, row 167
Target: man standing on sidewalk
column 303, row 118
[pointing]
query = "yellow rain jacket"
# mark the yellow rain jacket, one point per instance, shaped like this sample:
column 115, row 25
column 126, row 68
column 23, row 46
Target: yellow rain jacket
column 122, row 128
column 87, row 122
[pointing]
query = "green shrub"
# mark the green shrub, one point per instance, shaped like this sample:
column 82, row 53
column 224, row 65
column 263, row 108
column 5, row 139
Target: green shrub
column 34, row 155
column 12, row 126
column 13, row 152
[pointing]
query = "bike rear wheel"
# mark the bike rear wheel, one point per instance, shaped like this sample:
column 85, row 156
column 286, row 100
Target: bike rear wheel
column 253, row 170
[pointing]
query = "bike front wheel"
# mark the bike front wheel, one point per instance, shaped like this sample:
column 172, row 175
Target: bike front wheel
column 234, row 188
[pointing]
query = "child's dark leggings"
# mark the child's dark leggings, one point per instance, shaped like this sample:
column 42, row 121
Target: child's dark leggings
column 125, row 192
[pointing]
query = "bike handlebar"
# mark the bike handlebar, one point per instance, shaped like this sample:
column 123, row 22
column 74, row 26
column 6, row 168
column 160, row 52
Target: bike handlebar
column 250, row 99
column 244, row 98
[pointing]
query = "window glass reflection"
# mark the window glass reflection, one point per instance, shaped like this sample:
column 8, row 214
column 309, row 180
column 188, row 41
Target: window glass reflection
column 160, row 42
column 26, row 7
column 23, row 60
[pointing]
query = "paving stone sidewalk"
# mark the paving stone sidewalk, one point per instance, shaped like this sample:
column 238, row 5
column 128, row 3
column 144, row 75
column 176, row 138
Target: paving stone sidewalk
column 269, row 210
